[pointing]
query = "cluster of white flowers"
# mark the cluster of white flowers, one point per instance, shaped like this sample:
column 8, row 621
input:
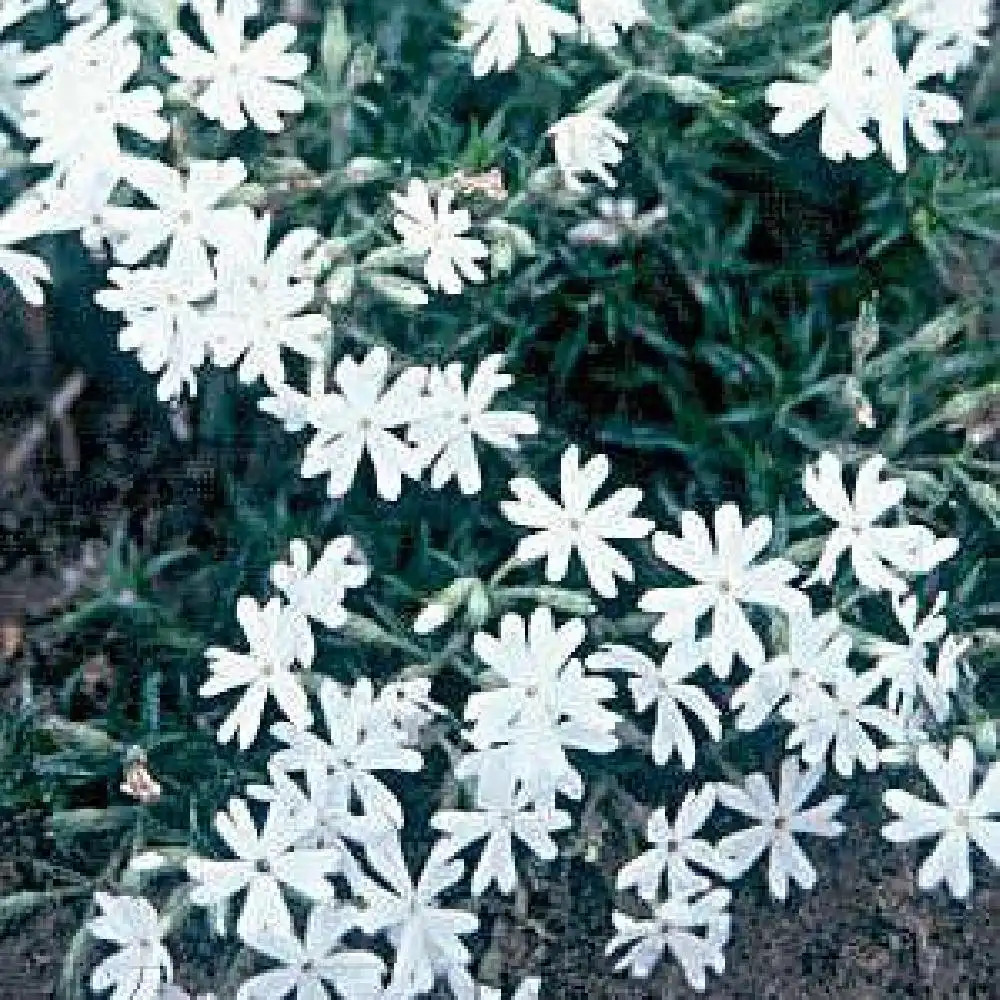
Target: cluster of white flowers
column 540, row 702
column 423, row 418
column 494, row 28
column 743, row 638
column 867, row 84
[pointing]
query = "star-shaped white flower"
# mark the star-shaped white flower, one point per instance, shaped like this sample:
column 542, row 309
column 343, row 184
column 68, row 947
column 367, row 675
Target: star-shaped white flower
column 876, row 551
column 495, row 26
column 694, row 929
column 840, row 717
column 545, row 704
column 361, row 740
column 186, row 211
column 817, row 648
column 587, row 142
column 905, row 665
column 237, row 80
column 360, row 417
column 842, row 93
column 319, row 592
column 279, row 640
column 779, row 820
column 267, row 860
column 500, row 819
column 435, row 233
column 319, row 960
column 142, row 964
column 726, row 579
column 601, row 20
column 426, row 935
column 164, row 324
column 573, row 525
column 677, row 851
column 264, row 306
column 78, row 106
column 458, row 415
column 897, row 99
column 961, row 816
column 666, row 686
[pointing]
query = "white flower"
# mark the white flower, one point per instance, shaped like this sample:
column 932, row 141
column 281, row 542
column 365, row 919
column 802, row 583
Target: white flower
column 142, row 964
column 319, row 593
column 264, row 305
column 186, row 212
column 164, row 325
column 457, row 416
column 79, row 104
column 840, row 719
column 310, row 965
column 601, row 19
column 361, row 740
column 20, row 222
column 675, row 926
column 960, row 818
column 238, row 81
column 663, row 685
column 875, row 550
column 574, row 525
column 676, row 851
column 842, row 93
column 267, row 861
column 360, row 417
column 817, row 648
column 426, row 936
column 546, row 703
column 500, row 818
column 897, row 97
column 278, row 639
column 587, row 142
column 904, row 665
column 779, row 820
column 956, row 28
column 726, row 579
column 436, row 235
column 495, row 26
column 323, row 820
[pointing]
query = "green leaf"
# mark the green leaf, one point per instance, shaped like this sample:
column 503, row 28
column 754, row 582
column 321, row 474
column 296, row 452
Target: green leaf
column 639, row 437
column 983, row 495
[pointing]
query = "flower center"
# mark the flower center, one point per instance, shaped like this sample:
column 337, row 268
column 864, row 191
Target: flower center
column 262, row 866
column 781, row 823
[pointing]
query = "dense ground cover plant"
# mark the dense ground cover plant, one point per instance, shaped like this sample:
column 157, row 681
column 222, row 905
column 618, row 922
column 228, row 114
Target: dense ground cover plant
column 471, row 346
